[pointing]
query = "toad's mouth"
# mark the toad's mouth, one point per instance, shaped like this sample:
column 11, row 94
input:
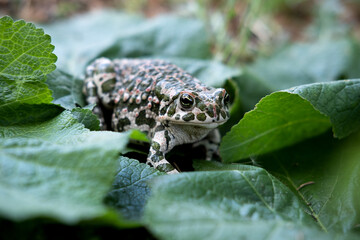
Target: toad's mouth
column 196, row 123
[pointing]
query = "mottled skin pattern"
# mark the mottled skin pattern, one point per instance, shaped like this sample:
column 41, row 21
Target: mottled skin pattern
column 159, row 98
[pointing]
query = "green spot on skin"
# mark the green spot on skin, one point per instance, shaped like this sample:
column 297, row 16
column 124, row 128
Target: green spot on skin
column 141, row 119
column 201, row 117
column 157, row 157
column 197, row 101
column 201, row 106
column 217, row 110
column 122, row 122
column 223, row 114
column 166, row 98
column 155, row 145
column 163, row 111
column 168, row 139
column 158, row 91
column 130, row 87
column 108, row 85
column 188, row 117
column 175, row 96
column 171, row 110
column 165, row 167
column 210, row 112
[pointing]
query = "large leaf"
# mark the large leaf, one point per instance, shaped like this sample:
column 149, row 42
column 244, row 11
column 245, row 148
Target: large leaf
column 25, row 59
column 279, row 120
column 282, row 119
column 247, row 203
column 25, row 51
column 57, row 169
column 325, row 173
column 130, row 189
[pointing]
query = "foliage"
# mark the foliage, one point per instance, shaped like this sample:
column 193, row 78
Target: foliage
column 58, row 169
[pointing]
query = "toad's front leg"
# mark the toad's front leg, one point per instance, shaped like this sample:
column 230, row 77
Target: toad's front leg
column 161, row 143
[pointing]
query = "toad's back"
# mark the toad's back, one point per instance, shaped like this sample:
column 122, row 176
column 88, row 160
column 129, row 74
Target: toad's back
column 136, row 89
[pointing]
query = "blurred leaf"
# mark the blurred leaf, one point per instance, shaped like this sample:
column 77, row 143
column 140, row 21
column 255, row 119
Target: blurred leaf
column 278, row 120
column 353, row 70
column 247, row 203
column 57, row 169
column 304, row 63
column 210, row 72
column 80, row 39
column 163, row 36
column 326, row 174
column 116, row 35
column 138, row 135
column 328, row 20
column 66, row 90
column 300, row 63
column 130, row 189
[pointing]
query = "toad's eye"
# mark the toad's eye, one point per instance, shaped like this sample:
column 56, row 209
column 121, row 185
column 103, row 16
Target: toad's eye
column 226, row 99
column 187, row 101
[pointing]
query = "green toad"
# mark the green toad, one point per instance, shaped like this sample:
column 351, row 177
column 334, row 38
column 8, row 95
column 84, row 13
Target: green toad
column 159, row 98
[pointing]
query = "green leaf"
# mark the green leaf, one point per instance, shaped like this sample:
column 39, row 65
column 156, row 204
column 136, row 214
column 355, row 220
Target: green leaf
column 29, row 114
column 18, row 101
column 339, row 100
column 247, row 203
column 130, row 189
column 57, row 169
column 282, row 119
column 139, row 136
column 25, row 51
column 25, row 59
column 202, row 165
column 325, row 173
column 66, row 90
column 86, row 117
column 278, row 120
